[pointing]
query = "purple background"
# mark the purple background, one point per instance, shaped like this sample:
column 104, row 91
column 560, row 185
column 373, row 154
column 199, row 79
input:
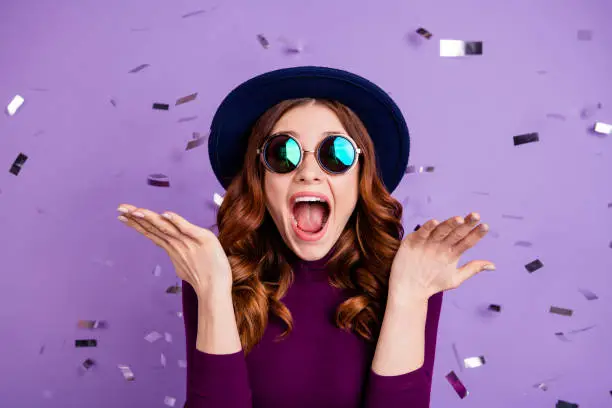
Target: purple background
column 64, row 257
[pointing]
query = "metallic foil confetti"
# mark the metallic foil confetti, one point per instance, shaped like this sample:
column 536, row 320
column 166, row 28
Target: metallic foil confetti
column 153, row 337
column 138, row 68
column 179, row 315
column 473, row 362
column 162, row 360
column 182, row 363
column 187, row 119
column 602, row 128
column 421, row 169
column 534, row 266
column 161, row 106
column 424, row 33
column 565, row 404
column 585, row 35
column 158, row 180
column 42, row 349
column 186, row 99
column 113, row 102
column 526, row 138
column 456, row 354
column 512, row 217
column 541, row 386
column 169, row 401
column 192, row 144
column 417, row 227
column 87, row 364
column 459, row 48
column 127, row 372
column 18, row 164
column 193, row 13
column 173, row 289
column 293, row 48
column 560, row 311
column 526, row 244
column 484, row 193
column 457, row 385
column 14, row 105
column 86, row 343
column 92, row 324
column 590, row 110
column 168, row 337
column 217, row 199
column 561, row 336
column 576, row 331
column 263, row 41
column 157, row 270
column 495, row 308
column 555, row 116
column 588, row 294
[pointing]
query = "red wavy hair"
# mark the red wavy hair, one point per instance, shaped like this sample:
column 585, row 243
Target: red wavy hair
column 259, row 257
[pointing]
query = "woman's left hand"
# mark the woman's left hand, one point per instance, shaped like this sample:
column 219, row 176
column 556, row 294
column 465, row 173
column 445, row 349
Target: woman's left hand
column 426, row 261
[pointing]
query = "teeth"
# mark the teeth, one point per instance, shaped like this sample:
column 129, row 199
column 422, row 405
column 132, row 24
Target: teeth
column 308, row 199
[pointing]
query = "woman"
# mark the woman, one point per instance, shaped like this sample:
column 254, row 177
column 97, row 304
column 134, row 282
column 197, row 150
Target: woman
column 310, row 296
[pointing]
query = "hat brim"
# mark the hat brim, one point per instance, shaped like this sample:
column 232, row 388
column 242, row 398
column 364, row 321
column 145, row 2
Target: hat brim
column 235, row 117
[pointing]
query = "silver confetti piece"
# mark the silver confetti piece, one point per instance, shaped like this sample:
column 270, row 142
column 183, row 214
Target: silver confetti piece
column 169, row 401
column 196, row 141
column 163, row 360
column 541, row 386
column 217, row 199
column 424, row 33
column 456, row 354
column 473, row 362
column 179, row 315
column 138, row 68
column 582, row 330
column 173, row 289
column 457, row 385
column 157, row 270
column 127, row 372
column 14, row 105
column 602, row 128
column 585, row 35
column 534, row 266
column 526, row 244
column 87, row 364
column 588, row 294
column 193, row 13
column 459, row 48
column 153, row 337
column 158, row 180
column 560, row 311
column 182, row 363
column 186, row 99
column 421, row 169
column 168, row 337
column 187, row 119
column 526, row 138
column 590, row 110
column 92, row 324
column 556, row 116
column 263, row 41
column 113, row 102
column 512, row 217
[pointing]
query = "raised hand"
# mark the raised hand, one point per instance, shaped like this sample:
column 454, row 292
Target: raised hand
column 426, row 262
column 196, row 253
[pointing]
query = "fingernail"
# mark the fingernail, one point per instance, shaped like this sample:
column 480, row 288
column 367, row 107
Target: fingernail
column 138, row 214
column 122, row 218
column 123, row 210
column 489, row 267
column 167, row 215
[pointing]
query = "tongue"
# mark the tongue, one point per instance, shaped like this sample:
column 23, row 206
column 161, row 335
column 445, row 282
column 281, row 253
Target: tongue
column 309, row 216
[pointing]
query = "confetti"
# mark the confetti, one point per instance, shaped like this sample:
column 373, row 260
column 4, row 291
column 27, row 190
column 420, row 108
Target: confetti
column 18, row 164
column 87, row 364
column 561, row 336
column 174, row 289
column 113, row 102
column 565, row 404
column 293, row 48
column 14, row 105
column 480, row 193
column 526, row 244
column 168, row 337
column 161, row 106
column 92, row 324
column 583, row 329
column 186, row 99
column 456, row 353
column 157, row 270
column 560, row 311
column 127, row 372
column 179, row 315
column 263, row 41
column 424, row 33
column 590, row 110
column 153, row 337
column 526, row 138
column 42, row 349
column 512, row 217
column 163, row 360
column 495, row 308
column 182, row 363
column 158, row 180
column 217, row 199
column 86, row 343
column 602, row 128
column 187, row 119
column 421, row 169
column 169, row 401
column 588, row 294
column 193, row 13
column 473, row 362
column 541, row 386
column 457, row 385
column 459, row 48
column 196, row 141
column 585, row 35
column 138, row 68
column 417, row 227
column 534, row 266
column 556, row 116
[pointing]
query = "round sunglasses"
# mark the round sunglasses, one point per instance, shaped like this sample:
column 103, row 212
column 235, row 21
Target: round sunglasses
column 282, row 153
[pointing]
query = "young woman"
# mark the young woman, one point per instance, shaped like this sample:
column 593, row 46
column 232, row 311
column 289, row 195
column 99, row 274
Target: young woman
column 311, row 296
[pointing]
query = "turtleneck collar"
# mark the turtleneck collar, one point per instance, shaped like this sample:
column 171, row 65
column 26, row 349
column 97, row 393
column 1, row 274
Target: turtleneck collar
column 310, row 269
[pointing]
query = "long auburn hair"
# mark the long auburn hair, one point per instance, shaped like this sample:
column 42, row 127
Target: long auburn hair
column 361, row 259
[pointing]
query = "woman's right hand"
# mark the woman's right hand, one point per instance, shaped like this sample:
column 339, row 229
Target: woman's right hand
column 195, row 252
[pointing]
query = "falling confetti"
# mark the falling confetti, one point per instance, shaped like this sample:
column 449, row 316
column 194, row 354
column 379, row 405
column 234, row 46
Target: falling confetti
column 534, row 266
column 459, row 48
column 526, row 138
column 576, row 331
column 512, row 217
column 127, row 372
column 187, row 119
column 18, row 164
column 193, row 13
column 92, row 324
column 456, row 354
column 113, row 102
column 602, row 128
column 421, row 169
column 153, row 337
column 161, row 106
column 417, row 227
column 590, row 110
column 169, row 401
column 196, row 141
column 182, row 363
column 217, row 199
column 168, row 337
column 174, row 289
column 86, row 343
column 186, row 99
column 556, row 116
column 565, row 404
column 424, row 33
column 14, row 105
column 526, row 244
column 158, row 180
column 560, row 311
column 473, row 362
column 457, row 385
column 495, row 308
column 87, row 364
column 163, row 360
column 263, row 41
column 585, row 35
column 157, row 270
column 588, row 294
column 138, row 68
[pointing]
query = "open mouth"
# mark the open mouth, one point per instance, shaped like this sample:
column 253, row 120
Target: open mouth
column 310, row 214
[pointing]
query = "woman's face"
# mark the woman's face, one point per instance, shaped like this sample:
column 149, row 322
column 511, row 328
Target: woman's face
column 310, row 229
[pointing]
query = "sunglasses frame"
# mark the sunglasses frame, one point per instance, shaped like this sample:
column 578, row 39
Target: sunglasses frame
column 261, row 151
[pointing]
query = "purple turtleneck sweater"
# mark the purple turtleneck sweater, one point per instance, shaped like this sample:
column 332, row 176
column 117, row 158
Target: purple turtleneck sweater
column 316, row 365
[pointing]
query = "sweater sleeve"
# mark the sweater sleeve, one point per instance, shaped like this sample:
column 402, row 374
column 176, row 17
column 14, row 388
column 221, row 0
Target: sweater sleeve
column 412, row 389
column 212, row 380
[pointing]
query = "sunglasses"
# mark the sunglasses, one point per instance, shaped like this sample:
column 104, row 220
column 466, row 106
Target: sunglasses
column 336, row 154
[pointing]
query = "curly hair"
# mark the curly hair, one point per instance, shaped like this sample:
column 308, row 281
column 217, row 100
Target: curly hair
column 259, row 259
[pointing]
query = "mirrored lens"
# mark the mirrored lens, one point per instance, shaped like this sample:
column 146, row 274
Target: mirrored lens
column 337, row 154
column 282, row 154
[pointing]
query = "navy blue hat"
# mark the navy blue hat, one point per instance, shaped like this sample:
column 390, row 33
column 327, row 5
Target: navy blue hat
column 235, row 117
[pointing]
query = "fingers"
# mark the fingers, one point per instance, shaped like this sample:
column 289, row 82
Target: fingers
column 462, row 229
column 185, row 227
column 153, row 223
column 471, row 239
column 446, row 228
column 423, row 233
column 470, row 269
column 156, row 239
